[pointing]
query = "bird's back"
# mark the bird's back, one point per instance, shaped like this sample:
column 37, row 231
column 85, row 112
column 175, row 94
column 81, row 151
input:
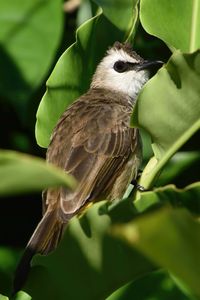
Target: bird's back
column 93, row 142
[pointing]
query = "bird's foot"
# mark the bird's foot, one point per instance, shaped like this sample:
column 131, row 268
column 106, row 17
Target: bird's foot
column 137, row 186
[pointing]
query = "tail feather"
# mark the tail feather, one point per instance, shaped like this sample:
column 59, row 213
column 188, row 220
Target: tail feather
column 44, row 239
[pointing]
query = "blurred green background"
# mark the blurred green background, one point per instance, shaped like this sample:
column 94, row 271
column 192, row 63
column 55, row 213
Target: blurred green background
column 33, row 35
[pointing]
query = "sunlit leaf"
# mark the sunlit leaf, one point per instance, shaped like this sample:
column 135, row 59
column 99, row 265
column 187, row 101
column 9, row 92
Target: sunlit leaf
column 3, row 297
column 22, row 296
column 20, row 173
column 168, row 108
column 175, row 22
column 115, row 9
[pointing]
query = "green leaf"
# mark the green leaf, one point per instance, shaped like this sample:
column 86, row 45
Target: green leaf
column 175, row 22
column 115, row 9
column 169, row 195
column 29, row 37
column 72, row 74
column 21, row 173
column 183, row 287
column 168, row 108
column 89, row 263
column 170, row 238
column 3, row 297
column 85, row 12
column 22, row 296
column 155, row 286
column 180, row 162
column 8, row 259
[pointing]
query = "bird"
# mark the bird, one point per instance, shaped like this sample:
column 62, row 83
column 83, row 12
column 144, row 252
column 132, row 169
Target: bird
column 94, row 142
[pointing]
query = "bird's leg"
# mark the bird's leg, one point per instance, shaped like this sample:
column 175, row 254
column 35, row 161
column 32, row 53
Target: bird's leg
column 139, row 187
column 134, row 182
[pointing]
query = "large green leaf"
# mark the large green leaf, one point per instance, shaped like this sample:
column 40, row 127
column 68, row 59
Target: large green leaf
column 175, row 22
column 29, row 36
column 72, row 74
column 115, row 9
column 171, row 238
column 90, row 263
column 168, row 108
column 20, row 173
column 155, row 286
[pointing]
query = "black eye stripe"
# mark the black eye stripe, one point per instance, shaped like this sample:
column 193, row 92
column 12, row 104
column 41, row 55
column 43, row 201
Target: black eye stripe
column 123, row 66
column 132, row 65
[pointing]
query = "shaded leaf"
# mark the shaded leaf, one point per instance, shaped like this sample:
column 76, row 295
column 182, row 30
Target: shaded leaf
column 29, row 37
column 156, row 285
column 175, row 22
column 168, row 108
column 171, row 238
column 20, row 173
column 180, row 162
column 8, row 259
column 89, row 263
column 73, row 72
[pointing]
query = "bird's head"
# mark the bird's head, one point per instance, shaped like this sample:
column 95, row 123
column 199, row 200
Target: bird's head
column 122, row 70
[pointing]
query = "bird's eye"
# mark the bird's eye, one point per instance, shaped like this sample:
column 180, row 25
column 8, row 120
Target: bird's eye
column 120, row 66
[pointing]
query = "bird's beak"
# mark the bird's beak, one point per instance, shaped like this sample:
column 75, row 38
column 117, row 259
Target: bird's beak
column 147, row 64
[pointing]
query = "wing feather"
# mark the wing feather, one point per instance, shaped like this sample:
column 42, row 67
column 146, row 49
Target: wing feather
column 92, row 141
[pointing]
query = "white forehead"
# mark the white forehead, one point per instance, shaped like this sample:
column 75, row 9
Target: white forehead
column 114, row 55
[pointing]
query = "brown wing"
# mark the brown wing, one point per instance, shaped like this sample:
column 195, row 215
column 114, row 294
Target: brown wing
column 92, row 141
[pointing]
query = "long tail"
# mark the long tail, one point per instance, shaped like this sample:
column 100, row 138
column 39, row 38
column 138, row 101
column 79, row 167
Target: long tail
column 44, row 239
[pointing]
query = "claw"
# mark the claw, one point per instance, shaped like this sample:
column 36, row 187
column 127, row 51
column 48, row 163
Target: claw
column 138, row 186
